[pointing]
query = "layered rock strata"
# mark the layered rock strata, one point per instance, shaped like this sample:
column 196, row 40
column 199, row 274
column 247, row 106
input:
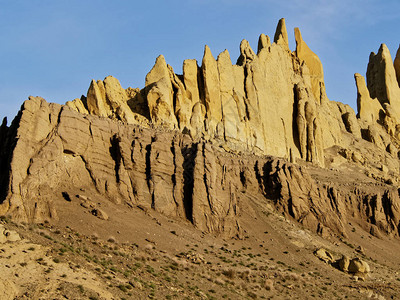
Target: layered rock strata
column 194, row 146
column 267, row 103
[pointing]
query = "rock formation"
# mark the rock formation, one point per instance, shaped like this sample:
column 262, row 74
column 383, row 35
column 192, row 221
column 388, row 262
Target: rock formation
column 354, row 266
column 368, row 108
column 313, row 63
column 197, row 146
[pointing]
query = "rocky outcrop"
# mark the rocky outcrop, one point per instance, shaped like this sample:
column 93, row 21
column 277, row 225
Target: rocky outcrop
column 368, row 109
column 66, row 152
column 281, row 36
column 354, row 266
column 381, row 78
column 194, row 146
column 267, row 103
column 8, row 235
column 313, row 63
column 160, row 95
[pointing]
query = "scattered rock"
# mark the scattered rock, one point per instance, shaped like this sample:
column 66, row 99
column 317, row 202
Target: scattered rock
column 195, row 258
column 360, row 250
column 8, row 235
column 324, row 255
column 136, row 284
column 149, row 247
column 357, row 265
column 269, row 284
column 343, row 263
column 374, row 230
column 101, row 214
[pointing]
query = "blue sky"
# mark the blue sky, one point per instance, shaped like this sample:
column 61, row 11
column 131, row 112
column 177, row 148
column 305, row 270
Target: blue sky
column 54, row 48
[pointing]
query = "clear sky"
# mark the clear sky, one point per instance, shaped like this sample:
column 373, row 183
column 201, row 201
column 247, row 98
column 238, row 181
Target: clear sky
column 53, row 48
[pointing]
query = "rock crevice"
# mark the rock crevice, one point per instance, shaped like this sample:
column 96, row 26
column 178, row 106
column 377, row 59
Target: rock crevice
column 200, row 145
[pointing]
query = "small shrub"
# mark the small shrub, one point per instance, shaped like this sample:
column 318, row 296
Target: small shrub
column 122, row 288
column 229, row 273
column 48, row 237
column 81, row 289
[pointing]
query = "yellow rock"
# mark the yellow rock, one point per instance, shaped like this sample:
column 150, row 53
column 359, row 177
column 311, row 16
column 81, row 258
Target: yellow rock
column 281, row 36
column 381, row 79
column 77, row 105
column 211, row 90
column 368, row 108
column 190, row 79
column 313, row 63
column 263, row 42
column 397, row 65
column 160, row 95
column 96, row 102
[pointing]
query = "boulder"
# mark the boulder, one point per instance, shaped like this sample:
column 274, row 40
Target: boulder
column 8, row 235
column 343, row 263
column 351, row 123
column 324, row 255
column 101, row 214
column 357, row 265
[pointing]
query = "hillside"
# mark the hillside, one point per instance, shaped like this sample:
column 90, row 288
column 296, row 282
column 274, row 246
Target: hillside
column 221, row 182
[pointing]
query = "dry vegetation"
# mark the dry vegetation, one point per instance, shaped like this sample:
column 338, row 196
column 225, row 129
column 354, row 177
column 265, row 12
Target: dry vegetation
column 58, row 261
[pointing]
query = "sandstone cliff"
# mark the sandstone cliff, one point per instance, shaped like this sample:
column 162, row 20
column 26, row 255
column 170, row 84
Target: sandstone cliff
column 197, row 146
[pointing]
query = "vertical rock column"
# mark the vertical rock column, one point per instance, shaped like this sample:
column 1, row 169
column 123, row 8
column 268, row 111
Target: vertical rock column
column 313, row 63
column 212, row 95
column 160, row 95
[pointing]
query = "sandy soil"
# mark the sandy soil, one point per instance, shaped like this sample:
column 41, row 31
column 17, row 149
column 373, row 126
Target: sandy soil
column 138, row 254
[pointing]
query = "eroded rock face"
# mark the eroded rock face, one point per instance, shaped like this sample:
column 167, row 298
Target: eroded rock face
column 368, row 108
column 381, row 78
column 169, row 172
column 193, row 146
column 304, row 53
column 251, row 106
